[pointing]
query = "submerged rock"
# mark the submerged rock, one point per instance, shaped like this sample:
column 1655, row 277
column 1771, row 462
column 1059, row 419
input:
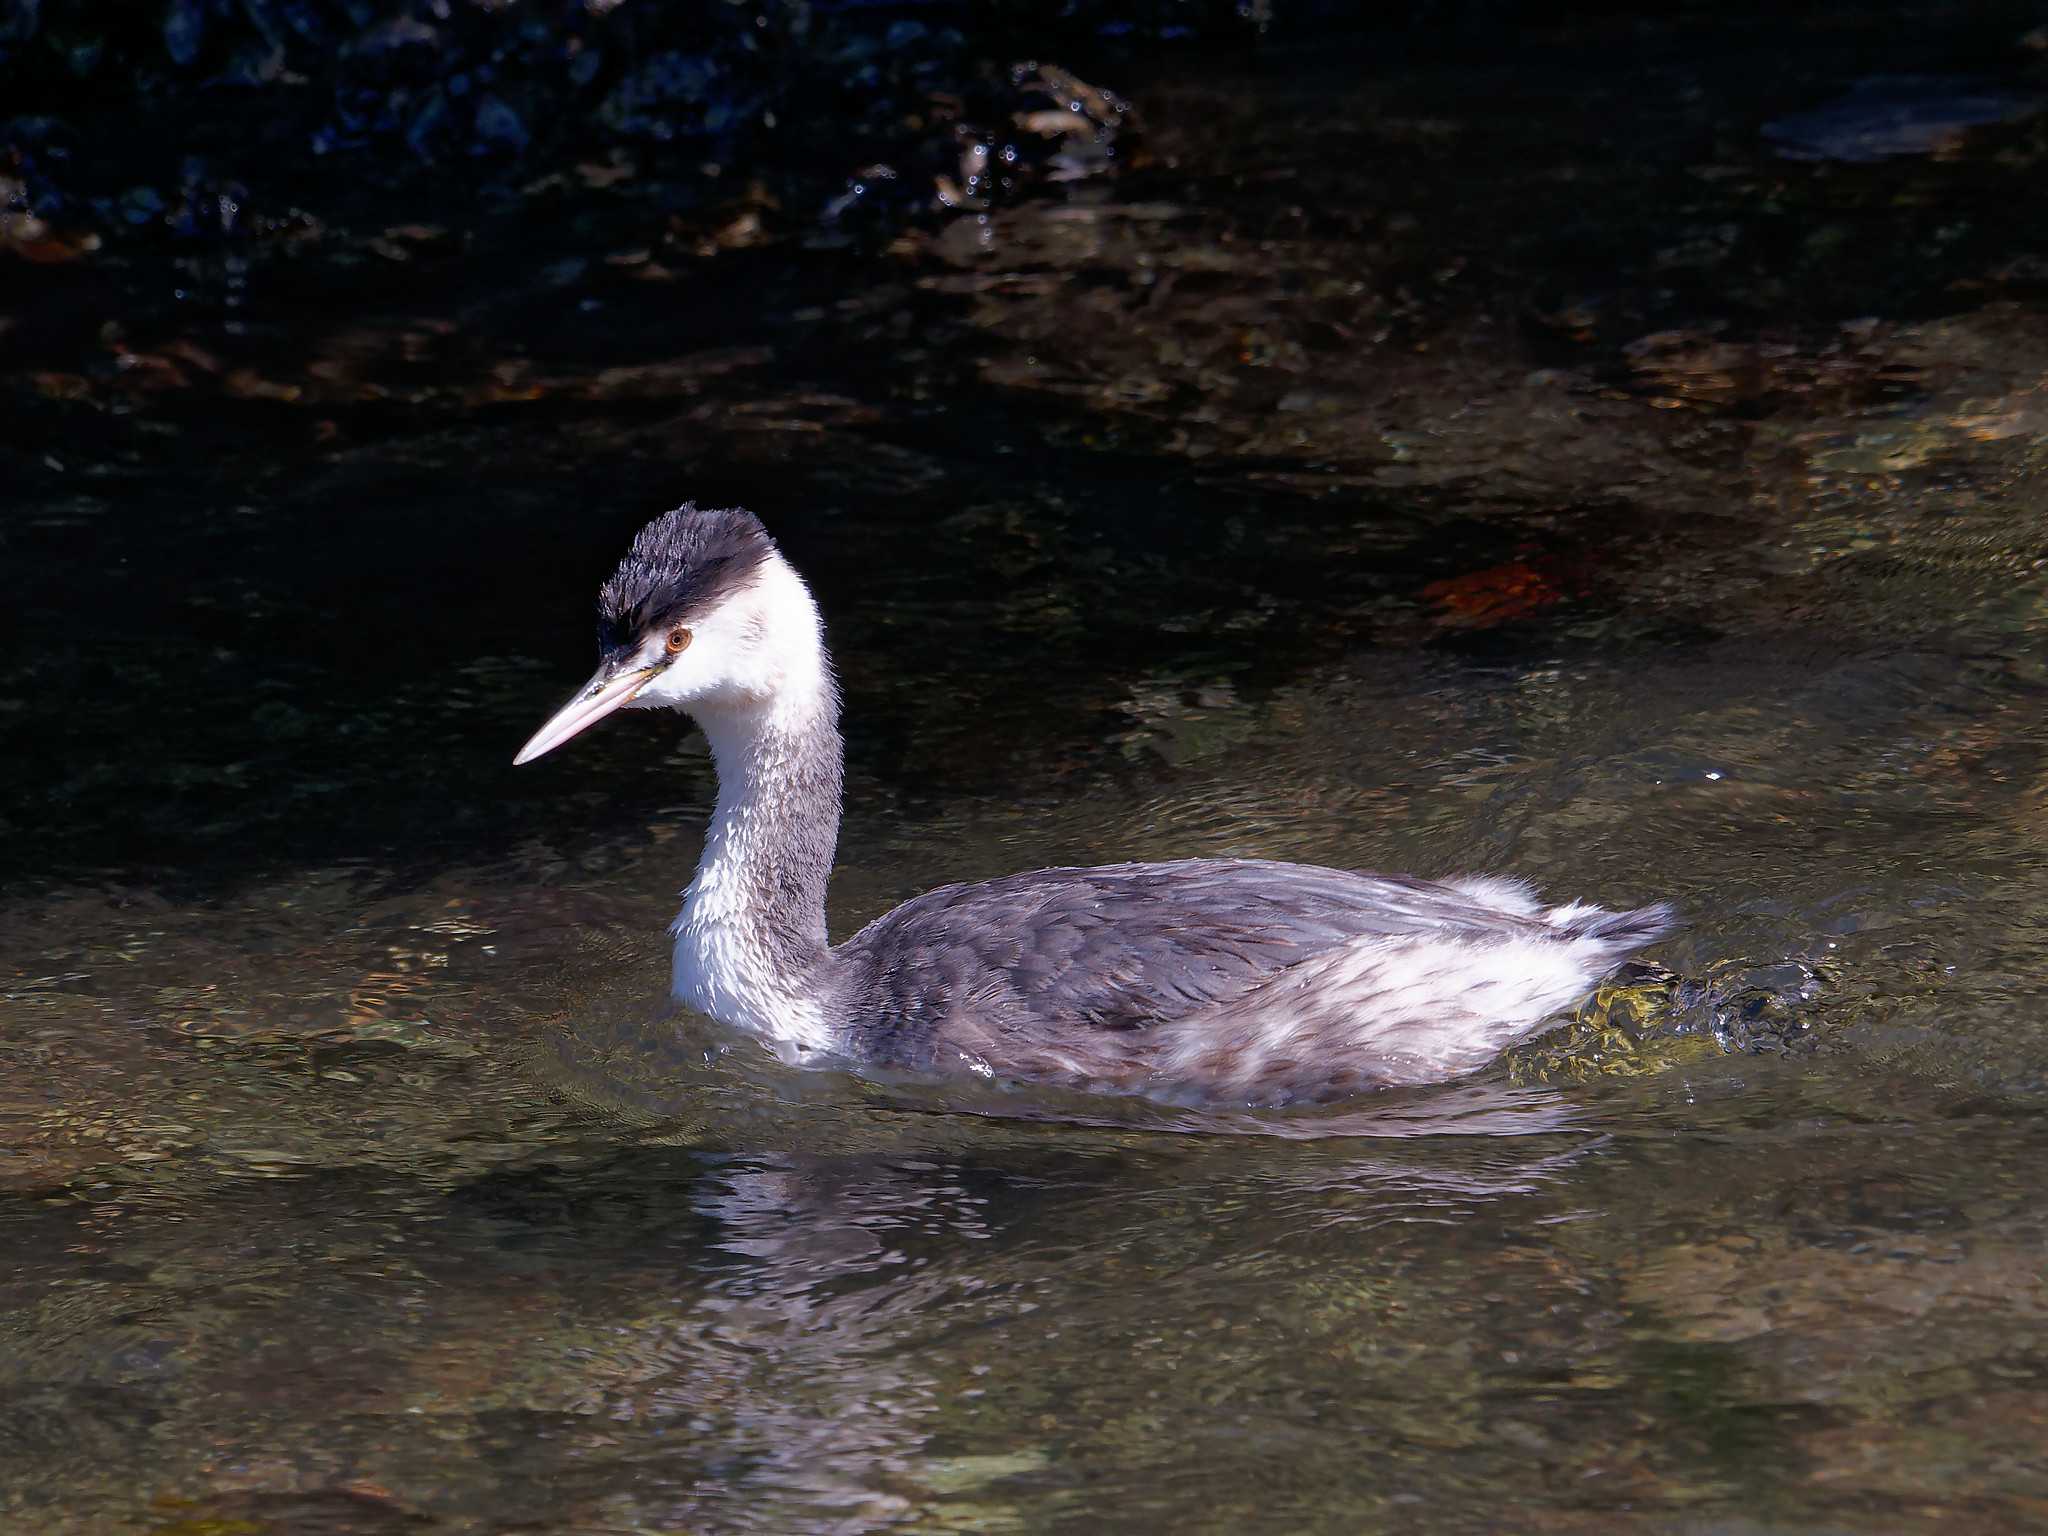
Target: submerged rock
column 1890, row 115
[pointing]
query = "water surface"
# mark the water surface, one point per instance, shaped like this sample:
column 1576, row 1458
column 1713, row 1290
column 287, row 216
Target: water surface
column 1454, row 467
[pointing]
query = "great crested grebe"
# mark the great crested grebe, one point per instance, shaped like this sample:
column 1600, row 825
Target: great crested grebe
column 1237, row 979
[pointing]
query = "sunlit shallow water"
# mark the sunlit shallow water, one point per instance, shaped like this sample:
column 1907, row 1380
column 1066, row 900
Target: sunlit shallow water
column 354, row 1175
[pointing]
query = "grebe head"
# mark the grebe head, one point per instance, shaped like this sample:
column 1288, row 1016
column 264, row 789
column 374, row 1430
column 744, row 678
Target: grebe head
column 702, row 615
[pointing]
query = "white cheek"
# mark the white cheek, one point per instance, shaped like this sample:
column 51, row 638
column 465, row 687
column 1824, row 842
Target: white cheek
column 678, row 682
column 761, row 645
column 714, row 668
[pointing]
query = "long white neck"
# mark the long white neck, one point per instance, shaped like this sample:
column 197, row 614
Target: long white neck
column 751, row 940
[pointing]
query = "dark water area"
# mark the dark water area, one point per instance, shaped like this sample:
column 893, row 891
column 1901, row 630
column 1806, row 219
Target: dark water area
column 1596, row 447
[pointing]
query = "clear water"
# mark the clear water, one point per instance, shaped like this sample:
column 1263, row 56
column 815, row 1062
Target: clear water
column 1311, row 491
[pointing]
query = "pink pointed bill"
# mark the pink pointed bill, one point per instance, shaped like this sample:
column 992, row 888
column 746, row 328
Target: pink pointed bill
column 593, row 701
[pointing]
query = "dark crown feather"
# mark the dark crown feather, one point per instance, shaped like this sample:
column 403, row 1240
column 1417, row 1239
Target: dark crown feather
column 681, row 565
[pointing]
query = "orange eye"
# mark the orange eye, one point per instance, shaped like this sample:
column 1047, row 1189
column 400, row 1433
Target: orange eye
column 678, row 640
